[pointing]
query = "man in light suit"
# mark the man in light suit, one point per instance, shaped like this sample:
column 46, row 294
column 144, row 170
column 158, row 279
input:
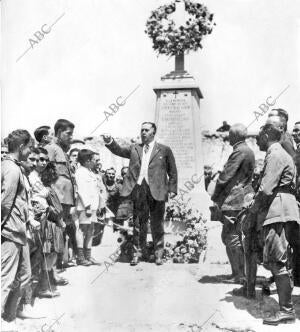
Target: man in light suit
column 150, row 180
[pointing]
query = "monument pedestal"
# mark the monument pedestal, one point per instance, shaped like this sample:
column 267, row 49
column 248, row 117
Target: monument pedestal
column 178, row 122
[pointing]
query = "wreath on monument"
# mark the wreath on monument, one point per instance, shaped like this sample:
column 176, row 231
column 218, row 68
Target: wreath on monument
column 169, row 40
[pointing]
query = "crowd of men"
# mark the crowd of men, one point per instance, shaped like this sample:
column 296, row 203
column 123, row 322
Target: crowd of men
column 55, row 199
column 54, row 203
column 260, row 211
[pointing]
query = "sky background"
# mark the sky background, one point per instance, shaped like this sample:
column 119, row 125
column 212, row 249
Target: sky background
column 98, row 51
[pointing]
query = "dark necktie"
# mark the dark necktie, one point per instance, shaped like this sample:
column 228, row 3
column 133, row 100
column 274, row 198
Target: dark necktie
column 146, row 148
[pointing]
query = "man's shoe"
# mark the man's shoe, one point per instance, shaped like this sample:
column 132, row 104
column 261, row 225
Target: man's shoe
column 94, row 262
column 158, row 261
column 55, row 280
column 134, row 261
column 280, row 317
column 28, row 313
column 61, row 281
column 72, row 262
column 48, row 294
column 242, row 291
column 83, row 262
column 265, row 290
column 151, row 259
column 81, row 259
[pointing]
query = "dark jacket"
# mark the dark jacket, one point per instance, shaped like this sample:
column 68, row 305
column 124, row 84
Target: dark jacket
column 297, row 163
column 288, row 144
column 235, row 181
column 162, row 170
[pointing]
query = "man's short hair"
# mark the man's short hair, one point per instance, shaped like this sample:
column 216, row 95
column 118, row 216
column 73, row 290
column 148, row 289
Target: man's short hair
column 85, row 155
column 35, row 150
column 42, row 150
column 272, row 131
column 111, row 168
column 62, row 124
column 73, row 150
column 153, row 125
column 297, row 123
column 17, row 138
column 123, row 168
column 40, row 132
column 239, row 130
column 282, row 113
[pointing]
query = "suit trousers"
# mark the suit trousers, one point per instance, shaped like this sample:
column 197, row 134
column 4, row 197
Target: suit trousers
column 144, row 205
column 232, row 239
column 231, row 231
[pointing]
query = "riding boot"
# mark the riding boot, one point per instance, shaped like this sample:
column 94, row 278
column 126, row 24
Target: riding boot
column 251, row 270
column 237, row 265
column 240, row 263
column 286, row 313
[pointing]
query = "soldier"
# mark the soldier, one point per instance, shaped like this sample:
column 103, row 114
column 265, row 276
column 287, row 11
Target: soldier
column 279, row 118
column 296, row 248
column 296, row 137
column 65, row 185
column 278, row 215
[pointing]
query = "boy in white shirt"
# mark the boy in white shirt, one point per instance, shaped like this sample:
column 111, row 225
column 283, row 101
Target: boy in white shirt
column 88, row 202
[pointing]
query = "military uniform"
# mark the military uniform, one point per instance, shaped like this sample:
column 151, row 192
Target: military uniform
column 296, row 247
column 278, row 217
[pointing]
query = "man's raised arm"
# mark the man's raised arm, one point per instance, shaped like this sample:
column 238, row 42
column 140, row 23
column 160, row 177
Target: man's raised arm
column 115, row 148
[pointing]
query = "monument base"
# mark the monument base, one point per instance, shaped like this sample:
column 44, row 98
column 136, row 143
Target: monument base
column 179, row 126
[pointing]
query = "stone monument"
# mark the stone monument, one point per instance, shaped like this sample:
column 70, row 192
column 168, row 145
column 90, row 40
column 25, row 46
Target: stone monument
column 177, row 116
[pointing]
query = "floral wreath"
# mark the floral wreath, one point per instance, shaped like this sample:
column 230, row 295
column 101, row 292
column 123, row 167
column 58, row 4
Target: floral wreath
column 171, row 41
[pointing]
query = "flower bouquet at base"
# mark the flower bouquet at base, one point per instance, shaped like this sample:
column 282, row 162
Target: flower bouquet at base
column 194, row 238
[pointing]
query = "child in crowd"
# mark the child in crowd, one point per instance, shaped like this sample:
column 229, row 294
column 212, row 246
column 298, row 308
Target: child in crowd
column 89, row 201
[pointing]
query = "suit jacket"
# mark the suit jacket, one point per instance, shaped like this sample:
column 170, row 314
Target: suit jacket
column 162, row 171
column 288, row 144
column 274, row 200
column 234, row 184
column 64, row 186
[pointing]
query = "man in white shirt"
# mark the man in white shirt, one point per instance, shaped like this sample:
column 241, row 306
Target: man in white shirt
column 150, row 180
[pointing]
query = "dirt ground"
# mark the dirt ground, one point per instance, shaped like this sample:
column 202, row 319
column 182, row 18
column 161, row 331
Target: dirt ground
column 172, row 297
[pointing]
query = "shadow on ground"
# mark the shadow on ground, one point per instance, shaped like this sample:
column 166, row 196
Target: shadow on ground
column 223, row 279
column 262, row 306
column 217, row 279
